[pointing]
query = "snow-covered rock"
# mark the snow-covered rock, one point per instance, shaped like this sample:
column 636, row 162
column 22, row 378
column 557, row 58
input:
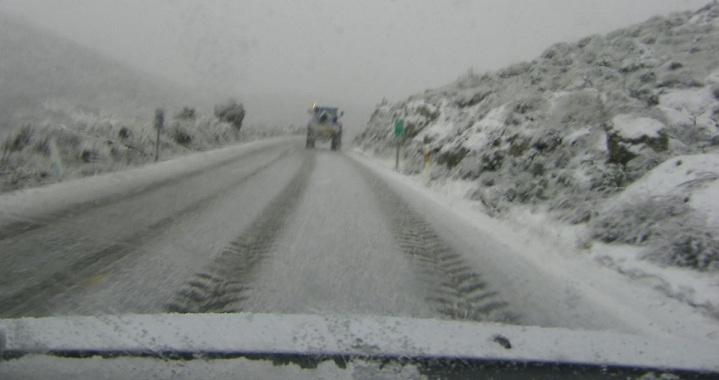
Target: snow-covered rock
column 635, row 128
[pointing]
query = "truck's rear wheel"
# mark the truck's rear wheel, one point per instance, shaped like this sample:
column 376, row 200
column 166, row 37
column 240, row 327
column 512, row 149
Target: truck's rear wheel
column 337, row 142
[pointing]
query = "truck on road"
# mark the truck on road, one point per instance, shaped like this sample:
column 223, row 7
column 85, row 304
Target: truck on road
column 324, row 125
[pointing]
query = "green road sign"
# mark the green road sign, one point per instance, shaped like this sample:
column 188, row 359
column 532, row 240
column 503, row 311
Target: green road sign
column 399, row 129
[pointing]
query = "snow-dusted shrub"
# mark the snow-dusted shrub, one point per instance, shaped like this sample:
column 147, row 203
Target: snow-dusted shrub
column 89, row 155
column 42, row 146
column 679, row 79
column 231, row 112
column 469, row 79
column 686, row 243
column 514, row 70
column 187, row 113
column 578, row 108
column 21, row 139
column 67, row 141
column 642, row 164
column 673, row 234
column 452, row 158
column 180, row 135
column 574, row 208
column 637, row 222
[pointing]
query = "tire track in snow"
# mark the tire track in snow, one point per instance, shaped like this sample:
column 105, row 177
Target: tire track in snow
column 20, row 227
column 221, row 287
column 31, row 298
column 453, row 288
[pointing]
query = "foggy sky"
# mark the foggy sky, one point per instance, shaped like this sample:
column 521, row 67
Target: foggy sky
column 349, row 53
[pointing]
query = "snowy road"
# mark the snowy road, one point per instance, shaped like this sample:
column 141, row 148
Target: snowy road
column 277, row 228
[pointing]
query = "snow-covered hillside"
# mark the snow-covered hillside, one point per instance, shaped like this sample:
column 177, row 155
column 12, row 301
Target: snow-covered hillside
column 619, row 133
column 37, row 67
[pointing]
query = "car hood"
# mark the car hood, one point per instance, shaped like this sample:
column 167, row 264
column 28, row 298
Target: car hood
column 237, row 335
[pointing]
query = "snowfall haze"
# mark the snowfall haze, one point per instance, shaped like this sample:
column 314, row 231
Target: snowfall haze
column 280, row 56
column 546, row 203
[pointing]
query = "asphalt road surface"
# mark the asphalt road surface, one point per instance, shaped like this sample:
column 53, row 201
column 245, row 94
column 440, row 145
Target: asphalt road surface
column 276, row 229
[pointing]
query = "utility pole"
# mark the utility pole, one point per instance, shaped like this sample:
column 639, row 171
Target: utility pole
column 159, row 125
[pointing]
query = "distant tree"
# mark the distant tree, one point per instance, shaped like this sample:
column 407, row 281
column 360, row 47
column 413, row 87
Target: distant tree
column 187, row 113
column 231, row 112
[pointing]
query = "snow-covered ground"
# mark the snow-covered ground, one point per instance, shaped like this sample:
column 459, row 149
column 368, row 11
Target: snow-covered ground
column 658, row 295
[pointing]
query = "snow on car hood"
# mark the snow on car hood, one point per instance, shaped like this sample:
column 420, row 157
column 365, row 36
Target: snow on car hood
column 357, row 336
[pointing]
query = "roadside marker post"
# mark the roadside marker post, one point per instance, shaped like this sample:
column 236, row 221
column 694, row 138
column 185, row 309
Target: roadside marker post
column 57, row 168
column 159, row 125
column 427, row 153
column 399, row 134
